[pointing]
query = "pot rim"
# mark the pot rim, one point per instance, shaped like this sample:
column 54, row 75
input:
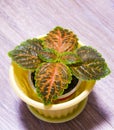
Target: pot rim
column 40, row 105
column 60, row 97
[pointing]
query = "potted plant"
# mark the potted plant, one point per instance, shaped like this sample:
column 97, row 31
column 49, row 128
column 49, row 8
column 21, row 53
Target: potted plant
column 51, row 64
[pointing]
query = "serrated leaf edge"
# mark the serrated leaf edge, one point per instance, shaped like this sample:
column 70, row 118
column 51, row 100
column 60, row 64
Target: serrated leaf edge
column 37, row 88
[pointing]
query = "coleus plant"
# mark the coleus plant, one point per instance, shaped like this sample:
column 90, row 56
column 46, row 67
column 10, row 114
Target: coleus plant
column 55, row 58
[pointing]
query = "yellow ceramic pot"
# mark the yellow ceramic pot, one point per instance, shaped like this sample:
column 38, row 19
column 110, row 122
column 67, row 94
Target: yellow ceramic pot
column 56, row 113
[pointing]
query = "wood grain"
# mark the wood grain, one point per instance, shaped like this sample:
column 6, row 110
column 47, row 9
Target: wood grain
column 92, row 21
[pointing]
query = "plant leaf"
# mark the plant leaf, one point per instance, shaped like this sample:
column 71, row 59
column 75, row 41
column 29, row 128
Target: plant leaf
column 48, row 55
column 69, row 58
column 26, row 54
column 61, row 40
column 51, row 80
column 88, row 53
column 93, row 66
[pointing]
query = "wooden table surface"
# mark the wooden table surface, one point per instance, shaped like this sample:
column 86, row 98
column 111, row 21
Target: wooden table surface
column 92, row 21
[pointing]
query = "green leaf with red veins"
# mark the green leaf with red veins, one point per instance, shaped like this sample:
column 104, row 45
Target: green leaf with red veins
column 26, row 54
column 69, row 58
column 93, row 66
column 61, row 40
column 48, row 55
column 51, row 80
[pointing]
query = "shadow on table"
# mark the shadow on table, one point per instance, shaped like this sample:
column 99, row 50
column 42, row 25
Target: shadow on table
column 92, row 116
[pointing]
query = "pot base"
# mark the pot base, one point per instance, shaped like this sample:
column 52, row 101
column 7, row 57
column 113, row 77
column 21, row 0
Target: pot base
column 69, row 117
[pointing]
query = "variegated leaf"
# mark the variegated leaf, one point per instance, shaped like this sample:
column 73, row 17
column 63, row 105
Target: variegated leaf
column 61, row 40
column 93, row 66
column 51, row 80
column 48, row 55
column 88, row 53
column 69, row 58
column 26, row 54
